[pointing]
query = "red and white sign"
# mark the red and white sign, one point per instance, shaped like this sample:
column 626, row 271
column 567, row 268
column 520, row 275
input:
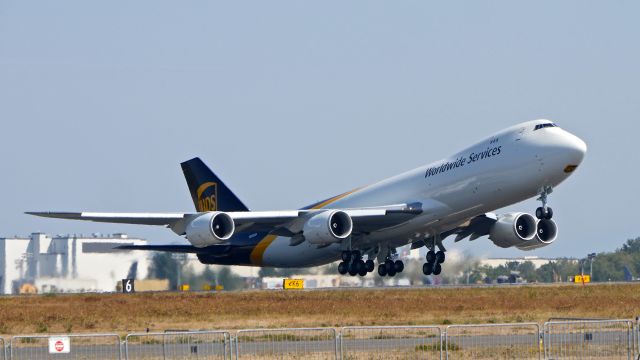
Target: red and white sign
column 59, row 345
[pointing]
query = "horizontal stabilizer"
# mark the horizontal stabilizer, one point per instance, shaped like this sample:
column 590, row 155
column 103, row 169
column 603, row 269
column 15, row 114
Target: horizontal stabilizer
column 215, row 249
column 121, row 218
column 168, row 248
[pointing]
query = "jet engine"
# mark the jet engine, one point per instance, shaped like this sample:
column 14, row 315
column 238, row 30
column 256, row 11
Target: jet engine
column 513, row 229
column 546, row 233
column 210, row 228
column 328, row 227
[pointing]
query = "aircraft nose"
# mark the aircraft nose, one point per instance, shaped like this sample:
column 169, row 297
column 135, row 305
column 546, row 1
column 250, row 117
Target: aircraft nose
column 569, row 151
column 575, row 147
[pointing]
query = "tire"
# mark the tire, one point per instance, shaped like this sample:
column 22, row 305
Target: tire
column 382, row 270
column 431, row 256
column 363, row 272
column 354, row 268
column 440, row 257
column 549, row 213
column 437, row 269
column 346, row 256
column 399, row 266
column 427, row 268
column 390, row 267
column 362, row 267
column 392, row 272
column 540, row 213
column 343, row 268
column 370, row 265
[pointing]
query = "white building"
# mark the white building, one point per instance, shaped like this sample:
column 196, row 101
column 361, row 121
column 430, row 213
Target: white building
column 69, row 263
column 536, row 261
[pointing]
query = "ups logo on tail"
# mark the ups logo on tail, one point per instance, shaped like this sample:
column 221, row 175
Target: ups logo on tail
column 207, row 197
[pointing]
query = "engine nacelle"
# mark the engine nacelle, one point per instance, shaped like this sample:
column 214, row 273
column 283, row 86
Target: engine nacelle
column 513, row 229
column 546, row 233
column 328, row 227
column 209, row 229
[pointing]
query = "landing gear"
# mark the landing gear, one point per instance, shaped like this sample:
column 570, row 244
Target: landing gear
column 434, row 259
column 370, row 265
column 343, row 268
column 544, row 212
column 387, row 266
column 399, row 266
column 391, row 267
column 382, row 270
column 353, row 264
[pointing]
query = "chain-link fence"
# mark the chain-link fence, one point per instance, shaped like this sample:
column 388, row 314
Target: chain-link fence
column 493, row 341
column 390, row 342
column 207, row 345
column 637, row 334
column 603, row 339
column 285, row 344
column 66, row 347
column 3, row 350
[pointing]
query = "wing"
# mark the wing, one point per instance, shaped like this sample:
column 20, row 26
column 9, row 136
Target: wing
column 285, row 223
column 473, row 229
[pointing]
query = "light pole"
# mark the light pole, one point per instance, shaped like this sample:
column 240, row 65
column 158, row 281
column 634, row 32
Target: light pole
column 591, row 257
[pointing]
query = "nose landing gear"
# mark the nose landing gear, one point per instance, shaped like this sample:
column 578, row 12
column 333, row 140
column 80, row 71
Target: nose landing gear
column 544, row 212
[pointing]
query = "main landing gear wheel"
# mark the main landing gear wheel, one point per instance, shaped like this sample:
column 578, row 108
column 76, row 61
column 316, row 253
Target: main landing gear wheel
column 391, row 268
column 437, row 269
column 434, row 259
column 399, row 266
column 353, row 264
column 370, row 265
column 427, row 268
column 346, row 256
column 431, row 256
column 382, row 270
column 343, row 268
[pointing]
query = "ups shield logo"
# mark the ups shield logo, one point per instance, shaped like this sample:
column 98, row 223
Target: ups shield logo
column 207, row 197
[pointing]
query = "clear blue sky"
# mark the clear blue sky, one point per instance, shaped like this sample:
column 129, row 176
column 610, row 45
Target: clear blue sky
column 291, row 102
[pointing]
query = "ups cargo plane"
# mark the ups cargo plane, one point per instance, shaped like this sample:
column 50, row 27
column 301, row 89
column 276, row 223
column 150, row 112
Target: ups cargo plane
column 422, row 207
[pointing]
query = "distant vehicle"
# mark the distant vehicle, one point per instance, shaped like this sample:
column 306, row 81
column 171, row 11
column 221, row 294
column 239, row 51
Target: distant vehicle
column 421, row 207
column 513, row 278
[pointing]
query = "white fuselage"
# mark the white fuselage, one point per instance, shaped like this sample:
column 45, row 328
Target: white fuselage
column 511, row 166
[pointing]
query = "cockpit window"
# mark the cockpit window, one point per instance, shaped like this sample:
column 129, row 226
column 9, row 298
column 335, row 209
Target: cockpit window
column 546, row 125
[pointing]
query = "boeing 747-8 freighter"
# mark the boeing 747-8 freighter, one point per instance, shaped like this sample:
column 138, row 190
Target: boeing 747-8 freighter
column 422, row 207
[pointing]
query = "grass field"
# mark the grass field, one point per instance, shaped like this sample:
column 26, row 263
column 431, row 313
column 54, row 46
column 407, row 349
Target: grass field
column 320, row 308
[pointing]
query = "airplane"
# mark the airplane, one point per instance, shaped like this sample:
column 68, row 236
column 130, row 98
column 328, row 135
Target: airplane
column 422, row 207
